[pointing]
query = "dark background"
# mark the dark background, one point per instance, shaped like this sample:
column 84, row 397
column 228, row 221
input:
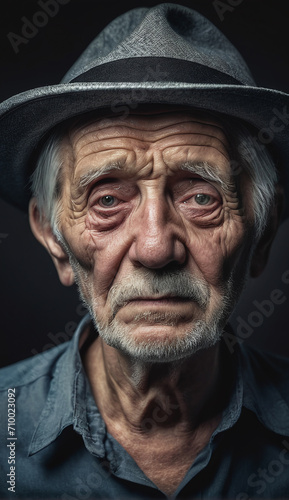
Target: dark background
column 37, row 312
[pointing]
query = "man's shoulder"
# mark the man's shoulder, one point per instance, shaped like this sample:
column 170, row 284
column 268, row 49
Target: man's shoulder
column 266, row 387
column 31, row 369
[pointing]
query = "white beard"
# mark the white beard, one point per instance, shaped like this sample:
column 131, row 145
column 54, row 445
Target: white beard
column 201, row 333
column 199, row 336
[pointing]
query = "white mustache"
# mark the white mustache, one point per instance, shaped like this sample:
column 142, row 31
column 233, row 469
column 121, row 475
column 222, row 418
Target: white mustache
column 155, row 284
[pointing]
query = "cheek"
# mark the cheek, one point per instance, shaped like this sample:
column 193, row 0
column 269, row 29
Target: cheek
column 99, row 253
column 107, row 255
column 215, row 251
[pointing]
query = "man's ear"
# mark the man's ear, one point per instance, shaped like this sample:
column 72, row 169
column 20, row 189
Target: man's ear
column 262, row 250
column 44, row 234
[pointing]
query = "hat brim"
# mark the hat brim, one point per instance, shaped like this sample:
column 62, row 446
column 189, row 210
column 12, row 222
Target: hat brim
column 26, row 118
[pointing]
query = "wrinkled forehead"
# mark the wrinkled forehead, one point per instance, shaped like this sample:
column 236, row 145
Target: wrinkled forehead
column 152, row 124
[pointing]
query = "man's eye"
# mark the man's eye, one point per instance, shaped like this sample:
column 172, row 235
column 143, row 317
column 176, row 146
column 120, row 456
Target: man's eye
column 108, row 201
column 203, row 199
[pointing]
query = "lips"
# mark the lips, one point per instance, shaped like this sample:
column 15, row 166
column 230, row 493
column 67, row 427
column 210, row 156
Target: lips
column 168, row 311
column 158, row 300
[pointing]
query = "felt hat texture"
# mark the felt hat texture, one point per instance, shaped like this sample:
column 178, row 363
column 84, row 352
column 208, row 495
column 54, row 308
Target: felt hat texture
column 168, row 55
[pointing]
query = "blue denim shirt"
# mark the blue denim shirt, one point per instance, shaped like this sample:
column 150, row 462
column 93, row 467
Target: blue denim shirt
column 61, row 448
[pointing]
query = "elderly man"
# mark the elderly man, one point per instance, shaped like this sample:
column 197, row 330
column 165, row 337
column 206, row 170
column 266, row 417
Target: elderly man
column 152, row 190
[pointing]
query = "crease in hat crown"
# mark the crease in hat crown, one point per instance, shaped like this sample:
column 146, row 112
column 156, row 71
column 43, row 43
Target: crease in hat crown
column 164, row 31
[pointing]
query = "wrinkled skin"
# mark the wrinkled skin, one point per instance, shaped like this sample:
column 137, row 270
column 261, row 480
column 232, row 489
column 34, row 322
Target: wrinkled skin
column 149, row 211
column 151, row 217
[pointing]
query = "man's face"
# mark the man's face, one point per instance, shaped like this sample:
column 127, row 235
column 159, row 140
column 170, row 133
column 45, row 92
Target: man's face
column 156, row 229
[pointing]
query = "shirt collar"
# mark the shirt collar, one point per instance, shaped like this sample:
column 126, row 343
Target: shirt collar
column 70, row 401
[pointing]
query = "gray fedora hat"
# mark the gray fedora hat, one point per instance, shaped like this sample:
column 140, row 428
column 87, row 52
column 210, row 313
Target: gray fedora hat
column 168, row 55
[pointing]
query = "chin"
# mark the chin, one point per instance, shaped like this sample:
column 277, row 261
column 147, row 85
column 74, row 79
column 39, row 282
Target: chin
column 159, row 342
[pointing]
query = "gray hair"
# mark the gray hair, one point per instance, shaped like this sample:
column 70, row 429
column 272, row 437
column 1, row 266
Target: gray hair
column 247, row 155
column 46, row 179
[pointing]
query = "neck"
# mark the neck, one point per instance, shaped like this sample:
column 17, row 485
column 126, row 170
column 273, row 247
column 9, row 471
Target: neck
column 150, row 399
column 162, row 414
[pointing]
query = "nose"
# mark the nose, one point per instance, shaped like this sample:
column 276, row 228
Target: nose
column 158, row 239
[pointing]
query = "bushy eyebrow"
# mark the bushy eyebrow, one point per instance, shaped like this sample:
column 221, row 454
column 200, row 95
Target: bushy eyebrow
column 208, row 172
column 85, row 179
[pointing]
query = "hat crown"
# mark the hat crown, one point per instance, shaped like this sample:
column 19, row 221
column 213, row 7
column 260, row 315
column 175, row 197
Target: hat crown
column 164, row 31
